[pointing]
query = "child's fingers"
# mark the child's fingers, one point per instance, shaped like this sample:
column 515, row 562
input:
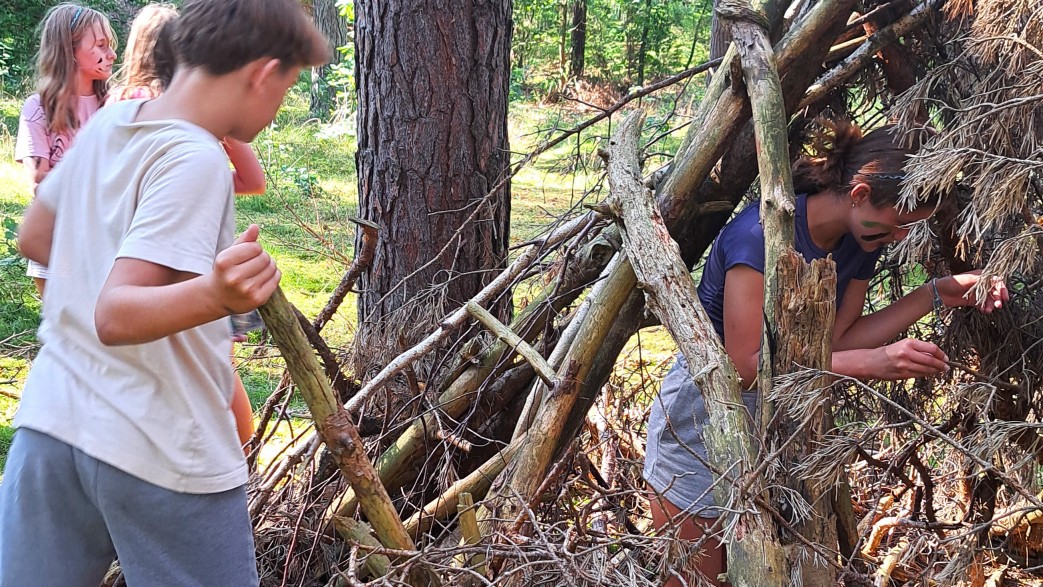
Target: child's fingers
column 237, row 254
column 249, row 235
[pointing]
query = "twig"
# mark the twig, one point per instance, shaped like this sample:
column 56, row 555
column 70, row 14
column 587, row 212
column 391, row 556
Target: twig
column 984, row 378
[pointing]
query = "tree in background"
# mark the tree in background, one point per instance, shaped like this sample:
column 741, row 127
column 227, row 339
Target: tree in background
column 578, row 37
column 327, row 17
column 433, row 81
column 615, row 42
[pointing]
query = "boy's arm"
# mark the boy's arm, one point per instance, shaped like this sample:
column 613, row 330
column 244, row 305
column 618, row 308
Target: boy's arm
column 36, row 232
column 143, row 301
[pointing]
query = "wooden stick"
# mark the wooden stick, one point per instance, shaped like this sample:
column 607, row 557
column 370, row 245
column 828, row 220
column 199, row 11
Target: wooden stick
column 475, row 484
column 470, row 531
column 512, row 340
column 458, row 317
column 755, row 559
column 857, row 60
column 333, row 422
column 355, row 532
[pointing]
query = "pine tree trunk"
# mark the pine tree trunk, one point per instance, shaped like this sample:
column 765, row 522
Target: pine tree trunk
column 328, row 20
column 433, row 82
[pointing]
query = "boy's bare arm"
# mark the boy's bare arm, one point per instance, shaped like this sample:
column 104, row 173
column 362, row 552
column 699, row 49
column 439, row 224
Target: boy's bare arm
column 36, row 232
column 143, row 301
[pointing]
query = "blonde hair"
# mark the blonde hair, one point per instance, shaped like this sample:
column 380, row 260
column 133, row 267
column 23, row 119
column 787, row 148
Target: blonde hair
column 62, row 28
column 147, row 60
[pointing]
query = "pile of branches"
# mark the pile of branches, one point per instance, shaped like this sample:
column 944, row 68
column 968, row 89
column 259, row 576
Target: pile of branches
column 520, row 463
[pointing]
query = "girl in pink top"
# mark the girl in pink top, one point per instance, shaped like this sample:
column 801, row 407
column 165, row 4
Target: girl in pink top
column 75, row 60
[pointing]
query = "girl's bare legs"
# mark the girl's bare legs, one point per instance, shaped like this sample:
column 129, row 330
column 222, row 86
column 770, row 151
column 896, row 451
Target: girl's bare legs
column 710, row 560
column 244, row 415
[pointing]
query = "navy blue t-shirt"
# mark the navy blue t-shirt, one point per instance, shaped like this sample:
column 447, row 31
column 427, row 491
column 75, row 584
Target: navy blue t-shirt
column 741, row 242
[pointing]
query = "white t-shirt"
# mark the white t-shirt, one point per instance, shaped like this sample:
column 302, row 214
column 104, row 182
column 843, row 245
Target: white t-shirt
column 159, row 191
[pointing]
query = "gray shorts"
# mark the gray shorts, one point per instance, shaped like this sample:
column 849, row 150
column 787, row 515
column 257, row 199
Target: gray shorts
column 675, row 432
column 64, row 517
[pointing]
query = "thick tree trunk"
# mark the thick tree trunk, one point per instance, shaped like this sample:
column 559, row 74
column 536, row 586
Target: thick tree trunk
column 328, row 20
column 432, row 153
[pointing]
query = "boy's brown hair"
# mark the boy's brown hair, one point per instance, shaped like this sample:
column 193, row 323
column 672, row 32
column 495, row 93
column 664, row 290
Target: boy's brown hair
column 221, row 36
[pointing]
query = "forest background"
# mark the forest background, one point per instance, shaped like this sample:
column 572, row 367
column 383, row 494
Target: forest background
column 944, row 480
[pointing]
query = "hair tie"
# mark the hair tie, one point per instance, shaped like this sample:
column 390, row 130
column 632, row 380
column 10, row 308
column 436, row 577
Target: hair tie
column 76, row 17
column 893, row 176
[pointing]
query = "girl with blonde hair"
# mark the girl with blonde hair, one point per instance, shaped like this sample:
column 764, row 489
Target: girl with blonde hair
column 72, row 68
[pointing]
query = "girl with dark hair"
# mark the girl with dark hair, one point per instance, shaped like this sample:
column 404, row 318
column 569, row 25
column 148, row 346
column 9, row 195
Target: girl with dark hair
column 847, row 207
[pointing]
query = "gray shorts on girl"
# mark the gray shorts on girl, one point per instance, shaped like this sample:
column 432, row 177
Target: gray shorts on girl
column 675, row 432
column 64, row 517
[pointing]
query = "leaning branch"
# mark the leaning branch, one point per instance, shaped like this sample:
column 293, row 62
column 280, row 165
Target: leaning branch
column 333, row 422
column 670, row 294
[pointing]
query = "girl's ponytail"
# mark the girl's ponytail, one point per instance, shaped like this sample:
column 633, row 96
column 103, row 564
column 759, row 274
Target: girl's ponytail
column 837, row 156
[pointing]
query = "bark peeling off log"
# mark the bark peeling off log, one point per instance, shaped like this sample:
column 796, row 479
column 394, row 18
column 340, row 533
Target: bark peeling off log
column 333, row 422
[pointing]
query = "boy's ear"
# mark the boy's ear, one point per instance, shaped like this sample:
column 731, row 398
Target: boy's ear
column 265, row 69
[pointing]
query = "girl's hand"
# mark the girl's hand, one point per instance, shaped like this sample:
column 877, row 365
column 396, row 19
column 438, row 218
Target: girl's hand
column 906, row 359
column 955, row 289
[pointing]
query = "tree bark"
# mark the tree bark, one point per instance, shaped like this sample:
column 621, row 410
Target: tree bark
column 805, row 310
column 328, row 20
column 433, row 80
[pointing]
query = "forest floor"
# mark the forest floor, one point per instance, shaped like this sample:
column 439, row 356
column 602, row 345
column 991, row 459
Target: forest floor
column 304, row 220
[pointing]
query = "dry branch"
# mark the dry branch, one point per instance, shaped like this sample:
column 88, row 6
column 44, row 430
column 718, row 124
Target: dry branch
column 512, row 340
column 458, row 317
column 861, row 57
column 332, row 421
column 476, row 485
column 755, row 557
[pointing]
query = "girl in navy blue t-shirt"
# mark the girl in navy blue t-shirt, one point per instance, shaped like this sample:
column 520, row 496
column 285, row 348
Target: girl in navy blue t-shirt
column 848, row 207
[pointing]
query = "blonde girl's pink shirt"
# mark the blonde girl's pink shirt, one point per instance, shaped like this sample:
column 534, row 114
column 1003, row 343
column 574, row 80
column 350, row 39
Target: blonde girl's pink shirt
column 35, row 140
column 120, row 93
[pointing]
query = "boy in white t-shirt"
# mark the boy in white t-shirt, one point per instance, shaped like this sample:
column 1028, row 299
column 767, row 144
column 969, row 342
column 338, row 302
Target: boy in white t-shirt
column 126, row 444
